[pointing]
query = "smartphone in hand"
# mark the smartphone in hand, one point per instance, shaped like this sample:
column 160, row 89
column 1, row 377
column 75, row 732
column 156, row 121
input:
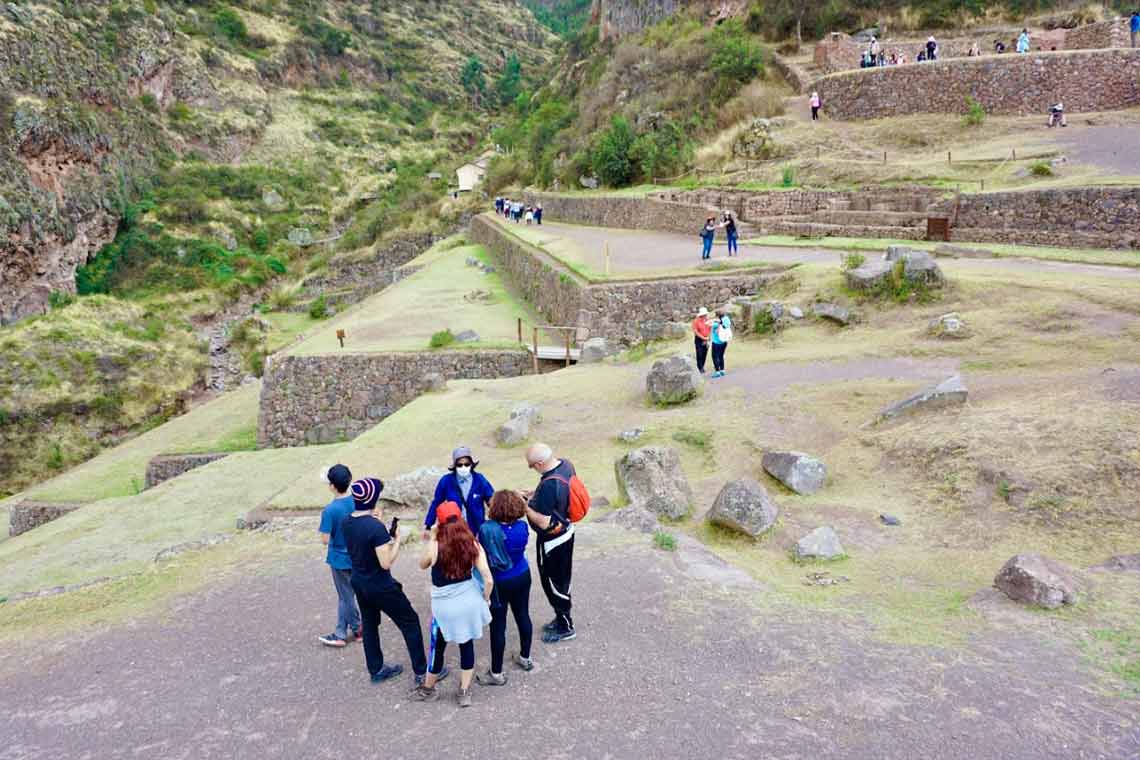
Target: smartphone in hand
column 395, row 524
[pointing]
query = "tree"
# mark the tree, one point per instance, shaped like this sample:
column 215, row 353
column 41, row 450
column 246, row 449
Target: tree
column 611, row 160
column 736, row 56
column 472, row 78
column 510, row 81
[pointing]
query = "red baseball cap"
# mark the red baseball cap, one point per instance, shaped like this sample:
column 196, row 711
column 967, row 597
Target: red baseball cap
column 446, row 511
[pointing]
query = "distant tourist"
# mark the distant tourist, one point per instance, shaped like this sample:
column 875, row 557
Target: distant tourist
column 459, row 600
column 504, row 537
column 708, row 234
column 702, row 331
column 1134, row 26
column 999, row 47
column 498, row 205
column 974, row 50
column 815, row 105
column 1023, row 41
column 721, row 335
column 549, row 515
column 730, row 232
column 339, row 478
column 921, row 56
column 373, row 550
column 529, row 215
column 1057, row 114
column 931, row 49
column 538, row 214
column 464, row 486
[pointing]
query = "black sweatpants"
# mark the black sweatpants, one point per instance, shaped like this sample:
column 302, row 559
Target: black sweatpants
column 718, row 356
column 393, row 603
column 555, row 563
column 515, row 594
column 439, row 646
column 702, row 347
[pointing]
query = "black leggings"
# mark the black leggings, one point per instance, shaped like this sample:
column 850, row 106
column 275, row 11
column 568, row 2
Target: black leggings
column 718, row 356
column 513, row 593
column 439, row 644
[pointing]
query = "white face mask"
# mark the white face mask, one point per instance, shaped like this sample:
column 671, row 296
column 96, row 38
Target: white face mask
column 463, row 472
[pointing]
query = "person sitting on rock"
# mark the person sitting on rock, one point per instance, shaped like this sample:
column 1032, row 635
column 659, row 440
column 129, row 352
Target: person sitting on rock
column 464, row 486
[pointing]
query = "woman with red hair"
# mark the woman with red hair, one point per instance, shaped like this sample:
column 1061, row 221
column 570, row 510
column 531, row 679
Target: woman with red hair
column 459, row 601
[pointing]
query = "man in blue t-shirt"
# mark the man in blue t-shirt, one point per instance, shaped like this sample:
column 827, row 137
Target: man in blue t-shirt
column 1134, row 26
column 339, row 479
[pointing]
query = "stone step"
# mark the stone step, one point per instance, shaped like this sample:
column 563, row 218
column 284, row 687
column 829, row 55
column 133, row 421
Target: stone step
column 816, row 229
column 902, row 203
column 873, row 218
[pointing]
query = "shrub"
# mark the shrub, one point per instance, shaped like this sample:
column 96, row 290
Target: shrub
column 698, row 439
column 230, row 25
column 471, row 77
column 509, row 83
column 59, row 299
column 442, row 339
column 179, row 112
column 610, row 159
column 764, row 323
column 330, row 40
column 319, row 308
column 736, row 57
column 503, row 172
column 665, row 541
column 1041, row 169
column 975, row 113
column 255, row 362
column 149, row 102
column 852, row 261
column 788, row 177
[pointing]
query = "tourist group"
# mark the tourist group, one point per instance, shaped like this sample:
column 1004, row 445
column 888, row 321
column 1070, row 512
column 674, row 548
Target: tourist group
column 474, row 549
column 708, row 235
column 517, row 211
column 714, row 332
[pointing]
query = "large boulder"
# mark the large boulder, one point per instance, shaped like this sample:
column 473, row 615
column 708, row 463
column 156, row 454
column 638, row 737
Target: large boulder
column 918, row 267
column 412, row 490
column 673, row 381
column 652, row 478
column 513, row 432
column 949, row 326
column 950, row 392
column 531, row 412
column 1040, row 581
column 467, row 336
column 820, row 544
column 745, row 506
column 593, row 351
column 832, row 311
column 800, row 472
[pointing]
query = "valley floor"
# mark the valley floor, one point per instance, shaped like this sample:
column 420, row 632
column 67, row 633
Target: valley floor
column 667, row 666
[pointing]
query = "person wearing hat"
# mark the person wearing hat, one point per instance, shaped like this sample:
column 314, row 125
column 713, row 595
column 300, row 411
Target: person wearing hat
column 459, row 601
column 708, row 234
column 702, row 330
column 465, row 487
column 338, row 478
column 373, row 551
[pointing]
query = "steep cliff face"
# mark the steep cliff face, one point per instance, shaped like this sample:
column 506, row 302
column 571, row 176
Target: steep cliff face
column 617, row 18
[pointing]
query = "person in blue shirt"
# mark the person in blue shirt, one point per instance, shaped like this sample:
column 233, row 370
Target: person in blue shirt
column 339, row 478
column 721, row 335
column 504, row 537
column 1134, row 26
column 466, row 487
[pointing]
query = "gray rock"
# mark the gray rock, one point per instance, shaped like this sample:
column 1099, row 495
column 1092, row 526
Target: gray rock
column 301, row 236
column 800, row 472
column 919, row 266
column 412, row 490
column 868, row 276
column 629, row 436
column 1121, row 563
column 652, row 478
column 467, row 336
column 434, row 382
column 949, row 326
column 513, row 432
column 593, row 351
column 950, row 392
column 531, row 412
column 1040, row 581
column 673, row 381
column 745, row 506
column 834, row 312
column 589, row 182
column 488, row 270
column 795, row 312
column 821, row 543
column 225, row 236
column 889, row 519
column 633, row 518
column 273, row 200
column 473, row 262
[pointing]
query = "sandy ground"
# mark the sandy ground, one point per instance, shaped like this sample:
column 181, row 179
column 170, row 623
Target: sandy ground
column 665, row 665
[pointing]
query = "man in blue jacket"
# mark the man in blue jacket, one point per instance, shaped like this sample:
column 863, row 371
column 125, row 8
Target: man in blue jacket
column 464, row 486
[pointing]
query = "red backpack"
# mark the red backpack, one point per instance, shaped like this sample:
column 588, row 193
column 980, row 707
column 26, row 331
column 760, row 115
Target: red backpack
column 579, row 497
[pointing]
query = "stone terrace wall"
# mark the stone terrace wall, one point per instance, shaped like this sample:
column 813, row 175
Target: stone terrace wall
column 751, row 205
column 840, row 52
column 166, row 466
column 798, row 79
column 549, row 287
column 1099, row 80
column 32, row 514
column 1103, row 34
column 322, row 399
column 1078, row 217
column 621, row 212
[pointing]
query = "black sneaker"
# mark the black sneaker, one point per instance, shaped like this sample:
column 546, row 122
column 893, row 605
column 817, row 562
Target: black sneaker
column 442, row 675
column 559, row 634
column 386, row 672
column 552, row 625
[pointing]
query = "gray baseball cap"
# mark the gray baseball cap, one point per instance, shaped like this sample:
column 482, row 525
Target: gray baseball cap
column 462, row 451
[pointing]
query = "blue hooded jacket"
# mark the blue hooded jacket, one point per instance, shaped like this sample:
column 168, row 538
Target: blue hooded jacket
column 474, row 506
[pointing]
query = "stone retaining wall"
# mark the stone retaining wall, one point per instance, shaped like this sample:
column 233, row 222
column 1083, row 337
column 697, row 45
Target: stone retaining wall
column 323, row 399
column 1103, row 34
column 32, row 514
column 166, row 466
column 798, row 79
column 1095, row 80
column 751, row 205
column 620, row 211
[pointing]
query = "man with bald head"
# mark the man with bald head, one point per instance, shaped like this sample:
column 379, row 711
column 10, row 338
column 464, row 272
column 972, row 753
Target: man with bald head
column 549, row 514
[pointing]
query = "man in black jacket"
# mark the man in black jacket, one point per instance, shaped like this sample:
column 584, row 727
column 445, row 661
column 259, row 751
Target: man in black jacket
column 549, row 515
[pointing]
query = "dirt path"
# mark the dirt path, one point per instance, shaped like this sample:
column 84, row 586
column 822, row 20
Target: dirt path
column 665, row 666
column 1113, row 148
column 646, row 250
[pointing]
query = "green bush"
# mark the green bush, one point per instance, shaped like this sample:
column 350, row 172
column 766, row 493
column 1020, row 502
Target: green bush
column 59, row 299
column 610, row 158
column 179, row 112
column 442, row 339
column 975, row 113
column 788, row 177
column 328, row 39
column 853, row 261
column 149, row 102
column 230, row 25
column 764, row 323
column 509, row 84
column 472, row 78
column 665, row 541
column 736, row 56
column 1041, row 169
column 319, row 308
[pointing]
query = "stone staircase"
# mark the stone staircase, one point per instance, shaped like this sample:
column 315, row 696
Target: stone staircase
column 903, row 218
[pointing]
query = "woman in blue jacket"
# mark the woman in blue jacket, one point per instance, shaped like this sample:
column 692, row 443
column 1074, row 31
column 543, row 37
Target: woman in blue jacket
column 464, row 486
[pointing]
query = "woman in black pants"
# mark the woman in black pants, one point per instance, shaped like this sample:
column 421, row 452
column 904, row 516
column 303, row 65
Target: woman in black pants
column 504, row 538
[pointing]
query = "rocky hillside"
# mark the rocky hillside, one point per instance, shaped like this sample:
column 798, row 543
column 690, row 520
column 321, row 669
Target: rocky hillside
column 178, row 158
